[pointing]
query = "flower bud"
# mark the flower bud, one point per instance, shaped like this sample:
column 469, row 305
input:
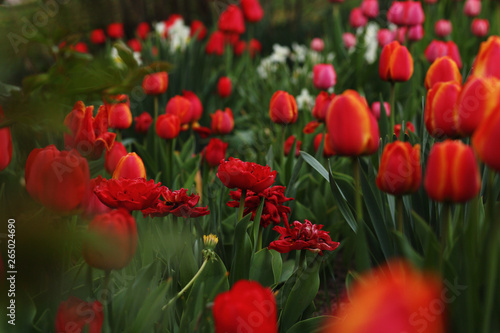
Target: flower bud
column 119, row 116
column 357, row 19
column 143, row 122
column 168, row 126
column 370, row 8
column 437, row 49
column 442, row 28
column 155, row 84
column 317, row 44
column 349, row 40
column 214, row 152
column 130, row 166
column 396, row 63
column 472, row 8
column 283, row 108
column 224, row 87
column 222, row 121
column 376, row 108
column 480, row 27
column 324, row 76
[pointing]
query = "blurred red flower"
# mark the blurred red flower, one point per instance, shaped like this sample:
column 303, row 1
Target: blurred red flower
column 245, row 175
column 76, row 315
column 178, row 203
column 131, row 194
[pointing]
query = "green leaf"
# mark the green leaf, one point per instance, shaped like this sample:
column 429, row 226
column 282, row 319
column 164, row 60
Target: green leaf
column 242, row 254
column 342, row 203
column 259, row 270
column 126, row 54
column 293, row 177
column 312, row 325
column 305, row 287
column 315, row 164
column 150, row 309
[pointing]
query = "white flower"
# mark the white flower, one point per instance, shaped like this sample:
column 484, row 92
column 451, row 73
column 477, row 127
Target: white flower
column 316, row 57
column 280, row 53
column 138, row 58
column 304, row 100
column 300, row 52
column 160, row 28
column 116, row 58
column 178, row 35
column 370, row 41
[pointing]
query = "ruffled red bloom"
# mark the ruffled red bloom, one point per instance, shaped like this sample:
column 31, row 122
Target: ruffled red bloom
column 91, row 205
column 245, row 175
column 273, row 212
column 178, row 203
column 131, row 194
column 304, row 236
column 203, row 131
column 89, row 135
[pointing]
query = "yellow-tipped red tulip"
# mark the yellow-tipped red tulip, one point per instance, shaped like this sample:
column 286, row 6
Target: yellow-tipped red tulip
column 180, row 106
column 442, row 70
column 400, row 171
column 119, row 116
column 486, row 63
column 155, row 84
column 485, row 141
column 130, row 166
column 352, row 128
column 283, row 108
column 441, row 111
column 478, row 99
column 168, row 126
column 396, row 63
column 452, row 174
column 222, row 121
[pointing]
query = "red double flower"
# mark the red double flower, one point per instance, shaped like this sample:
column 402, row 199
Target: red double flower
column 131, row 194
column 274, row 209
column 303, row 236
column 245, row 175
column 177, row 203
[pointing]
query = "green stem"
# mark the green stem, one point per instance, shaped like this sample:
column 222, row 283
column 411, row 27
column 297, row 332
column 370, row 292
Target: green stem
column 393, row 105
column 445, row 225
column 259, row 239
column 357, row 190
column 90, row 281
column 302, row 260
column 170, row 162
column 190, row 283
column 241, row 208
column 399, row 208
column 106, row 292
column 156, row 109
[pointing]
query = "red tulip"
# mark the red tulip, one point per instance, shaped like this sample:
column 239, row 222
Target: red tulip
column 441, row 111
column 442, row 28
column 254, row 47
column 399, row 171
column 5, row 144
column 215, row 43
column 113, row 156
column 89, row 135
column 288, row 146
column 324, row 76
column 317, row 44
column 57, row 179
column 437, row 49
column 384, row 37
column 97, row 36
column 196, row 106
column 393, row 298
column 135, row 45
column 416, row 33
column 357, row 19
column 91, row 205
column 181, row 107
column 115, row 30
column 155, row 84
column 247, row 307
column 168, row 126
column 222, row 121
column 239, row 48
column 231, row 20
column 480, row 27
column 452, row 174
column 245, row 175
column 376, row 108
column 478, row 99
column 224, row 87
column 408, row 127
column 131, row 194
column 352, row 128
column 177, row 203
column 303, row 236
column 443, row 69
column 486, row 63
column 274, row 210
column 407, row 13
column 142, row 30
column 396, row 63
column 214, row 152
column 283, row 108
column 112, row 240
column 485, row 140
column 472, row 8
column 130, row 166
column 143, row 122
column 328, row 150
column 198, row 29
column 349, row 40
column 76, row 315
column 370, row 8
column 321, row 105
column 252, row 10
column 119, row 116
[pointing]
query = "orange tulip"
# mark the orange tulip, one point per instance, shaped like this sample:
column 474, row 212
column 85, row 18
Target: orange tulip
column 352, row 128
column 442, row 69
column 441, row 112
column 283, row 108
column 396, row 63
column 119, row 116
column 113, row 156
column 130, row 166
column 393, row 298
column 485, row 141
column 452, row 174
column 486, row 63
column 400, row 171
